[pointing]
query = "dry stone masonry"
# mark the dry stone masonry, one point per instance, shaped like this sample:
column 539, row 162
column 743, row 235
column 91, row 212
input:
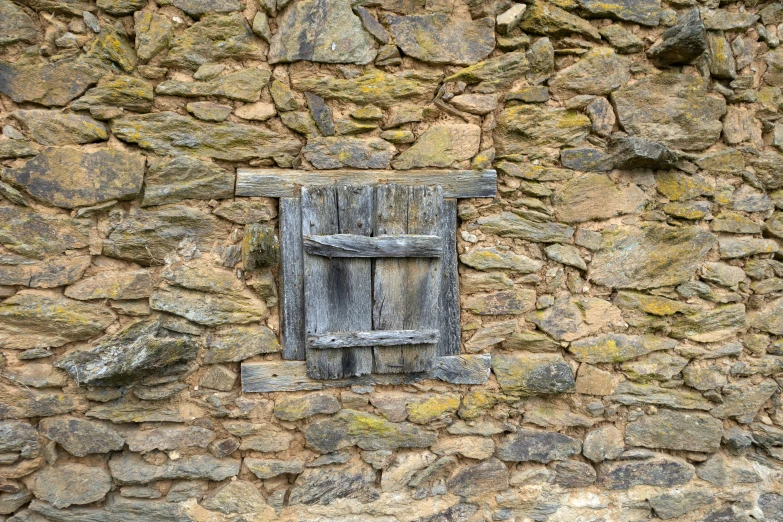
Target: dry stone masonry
column 610, row 201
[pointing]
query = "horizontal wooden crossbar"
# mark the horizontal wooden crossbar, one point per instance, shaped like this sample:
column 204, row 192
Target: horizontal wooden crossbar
column 282, row 183
column 351, row 245
column 374, row 338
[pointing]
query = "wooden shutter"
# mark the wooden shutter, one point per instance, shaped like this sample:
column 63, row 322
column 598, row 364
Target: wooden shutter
column 372, row 271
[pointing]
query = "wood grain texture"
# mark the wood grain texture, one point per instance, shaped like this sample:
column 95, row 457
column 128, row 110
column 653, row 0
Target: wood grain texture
column 350, row 245
column 406, row 292
column 292, row 279
column 448, row 302
column 287, row 376
column 351, row 286
column 333, row 340
column 278, row 183
column 389, row 278
column 319, row 216
column 423, row 278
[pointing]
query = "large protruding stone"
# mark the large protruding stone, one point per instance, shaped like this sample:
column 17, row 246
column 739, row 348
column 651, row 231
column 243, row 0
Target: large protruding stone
column 673, row 109
column 244, row 85
column 70, row 178
column 321, row 31
column 130, row 468
column 544, row 18
column 614, row 348
column 139, row 349
column 171, row 133
column 34, row 320
column 439, row 38
column 124, row 92
column 649, row 256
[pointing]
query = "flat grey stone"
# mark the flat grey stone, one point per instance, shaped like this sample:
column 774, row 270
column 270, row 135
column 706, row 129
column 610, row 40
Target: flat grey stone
column 676, row 431
column 450, row 41
column 133, row 469
column 322, row 486
column 81, row 437
column 538, row 446
column 359, row 153
column 661, row 471
column 70, row 178
column 71, row 483
column 324, row 31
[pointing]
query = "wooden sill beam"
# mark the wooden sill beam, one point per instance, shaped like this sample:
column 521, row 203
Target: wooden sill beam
column 331, row 340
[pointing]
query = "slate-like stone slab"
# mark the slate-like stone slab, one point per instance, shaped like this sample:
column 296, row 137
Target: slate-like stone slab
column 675, row 430
column 52, row 84
column 673, row 109
column 321, row 31
column 537, row 446
column 71, row 178
column 649, row 256
column 438, row 38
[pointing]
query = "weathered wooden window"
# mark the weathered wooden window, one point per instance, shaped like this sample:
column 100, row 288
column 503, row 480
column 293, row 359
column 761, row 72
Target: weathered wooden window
column 368, row 266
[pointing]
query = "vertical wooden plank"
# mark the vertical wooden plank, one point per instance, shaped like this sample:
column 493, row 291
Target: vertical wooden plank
column 319, row 216
column 450, row 333
column 389, row 279
column 350, row 284
column 423, row 278
column 292, row 279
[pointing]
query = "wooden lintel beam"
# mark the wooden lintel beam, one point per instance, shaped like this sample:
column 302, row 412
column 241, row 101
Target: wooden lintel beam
column 280, row 183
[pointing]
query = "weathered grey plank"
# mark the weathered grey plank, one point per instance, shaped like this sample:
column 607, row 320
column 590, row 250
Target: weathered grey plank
column 389, row 278
column 450, row 331
column 275, row 376
column 292, row 279
column 423, row 278
column 351, row 283
column 319, row 216
column 278, row 183
column 287, row 376
column 350, row 245
column 371, row 338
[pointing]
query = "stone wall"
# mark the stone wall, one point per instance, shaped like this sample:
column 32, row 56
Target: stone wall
column 626, row 283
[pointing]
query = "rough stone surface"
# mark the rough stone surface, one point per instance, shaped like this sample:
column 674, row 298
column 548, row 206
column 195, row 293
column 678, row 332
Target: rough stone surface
column 81, row 437
column 321, row 31
column 68, row 178
column 677, row 431
column 441, row 146
column 620, row 293
column 31, row 320
column 70, row 484
column 171, row 133
column 691, row 117
column 437, row 38
column 625, row 259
